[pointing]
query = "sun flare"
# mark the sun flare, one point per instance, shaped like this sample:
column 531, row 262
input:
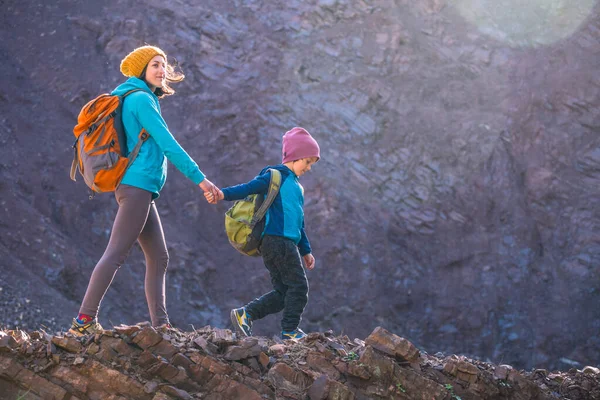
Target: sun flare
column 529, row 23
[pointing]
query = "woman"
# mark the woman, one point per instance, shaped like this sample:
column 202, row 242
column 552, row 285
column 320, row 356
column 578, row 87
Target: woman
column 137, row 217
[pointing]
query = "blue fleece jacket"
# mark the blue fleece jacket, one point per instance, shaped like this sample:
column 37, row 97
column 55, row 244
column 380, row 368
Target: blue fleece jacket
column 285, row 217
column 149, row 170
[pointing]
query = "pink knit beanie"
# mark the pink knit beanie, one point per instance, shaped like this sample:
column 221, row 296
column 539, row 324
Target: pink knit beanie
column 297, row 144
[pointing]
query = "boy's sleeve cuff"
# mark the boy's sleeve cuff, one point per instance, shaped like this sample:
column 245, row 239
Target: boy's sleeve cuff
column 225, row 194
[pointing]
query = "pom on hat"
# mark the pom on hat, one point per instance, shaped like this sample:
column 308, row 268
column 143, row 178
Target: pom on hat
column 135, row 62
column 298, row 144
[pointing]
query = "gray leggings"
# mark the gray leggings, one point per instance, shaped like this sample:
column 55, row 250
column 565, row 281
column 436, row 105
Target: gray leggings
column 137, row 219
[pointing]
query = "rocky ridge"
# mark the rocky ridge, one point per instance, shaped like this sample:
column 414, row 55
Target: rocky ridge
column 141, row 362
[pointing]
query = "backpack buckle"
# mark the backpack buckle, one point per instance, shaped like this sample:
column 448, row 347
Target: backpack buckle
column 144, row 135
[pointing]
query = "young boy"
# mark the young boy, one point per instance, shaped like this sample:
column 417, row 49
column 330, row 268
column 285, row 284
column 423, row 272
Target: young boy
column 284, row 242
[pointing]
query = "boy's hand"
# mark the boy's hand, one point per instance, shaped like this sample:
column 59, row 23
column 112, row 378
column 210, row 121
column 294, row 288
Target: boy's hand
column 209, row 187
column 211, row 198
column 309, row 260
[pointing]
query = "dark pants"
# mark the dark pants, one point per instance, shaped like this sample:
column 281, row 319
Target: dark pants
column 290, row 286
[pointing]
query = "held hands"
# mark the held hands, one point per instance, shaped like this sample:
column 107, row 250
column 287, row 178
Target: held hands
column 309, row 260
column 211, row 192
column 211, row 198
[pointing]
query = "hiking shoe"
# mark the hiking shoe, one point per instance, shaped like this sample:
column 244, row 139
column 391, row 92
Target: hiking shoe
column 241, row 321
column 295, row 334
column 89, row 328
column 164, row 327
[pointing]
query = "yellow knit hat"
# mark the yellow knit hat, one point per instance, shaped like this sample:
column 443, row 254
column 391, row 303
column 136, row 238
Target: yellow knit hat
column 136, row 61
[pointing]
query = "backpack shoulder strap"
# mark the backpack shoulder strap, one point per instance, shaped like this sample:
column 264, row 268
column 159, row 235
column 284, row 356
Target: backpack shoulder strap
column 75, row 163
column 129, row 92
column 274, row 185
column 143, row 135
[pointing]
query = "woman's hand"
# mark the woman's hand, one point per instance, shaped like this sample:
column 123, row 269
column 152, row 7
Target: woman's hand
column 210, row 197
column 209, row 187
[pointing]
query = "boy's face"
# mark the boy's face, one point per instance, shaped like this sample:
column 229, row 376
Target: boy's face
column 303, row 165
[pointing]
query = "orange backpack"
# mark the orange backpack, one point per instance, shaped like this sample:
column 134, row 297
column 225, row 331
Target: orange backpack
column 101, row 145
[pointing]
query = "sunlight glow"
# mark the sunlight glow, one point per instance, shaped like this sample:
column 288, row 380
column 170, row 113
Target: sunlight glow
column 526, row 23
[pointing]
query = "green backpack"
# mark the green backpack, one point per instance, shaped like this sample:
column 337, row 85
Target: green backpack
column 245, row 222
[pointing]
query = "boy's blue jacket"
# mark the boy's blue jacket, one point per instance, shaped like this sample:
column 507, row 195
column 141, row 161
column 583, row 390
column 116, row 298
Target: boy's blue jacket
column 149, row 170
column 285, row 217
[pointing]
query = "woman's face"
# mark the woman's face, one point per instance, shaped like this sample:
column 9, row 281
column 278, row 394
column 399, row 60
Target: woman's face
column 156, row 72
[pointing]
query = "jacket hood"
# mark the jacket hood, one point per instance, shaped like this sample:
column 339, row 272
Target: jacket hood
column 280, row 167
column 130, row 84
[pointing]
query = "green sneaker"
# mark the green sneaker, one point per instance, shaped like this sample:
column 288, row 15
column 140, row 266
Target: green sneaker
column 89, row 328
column 295, row 334
column 241, row 321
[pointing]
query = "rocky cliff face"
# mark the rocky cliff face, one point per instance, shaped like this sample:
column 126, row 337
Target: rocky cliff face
column 140, row 362
column 455, row 202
